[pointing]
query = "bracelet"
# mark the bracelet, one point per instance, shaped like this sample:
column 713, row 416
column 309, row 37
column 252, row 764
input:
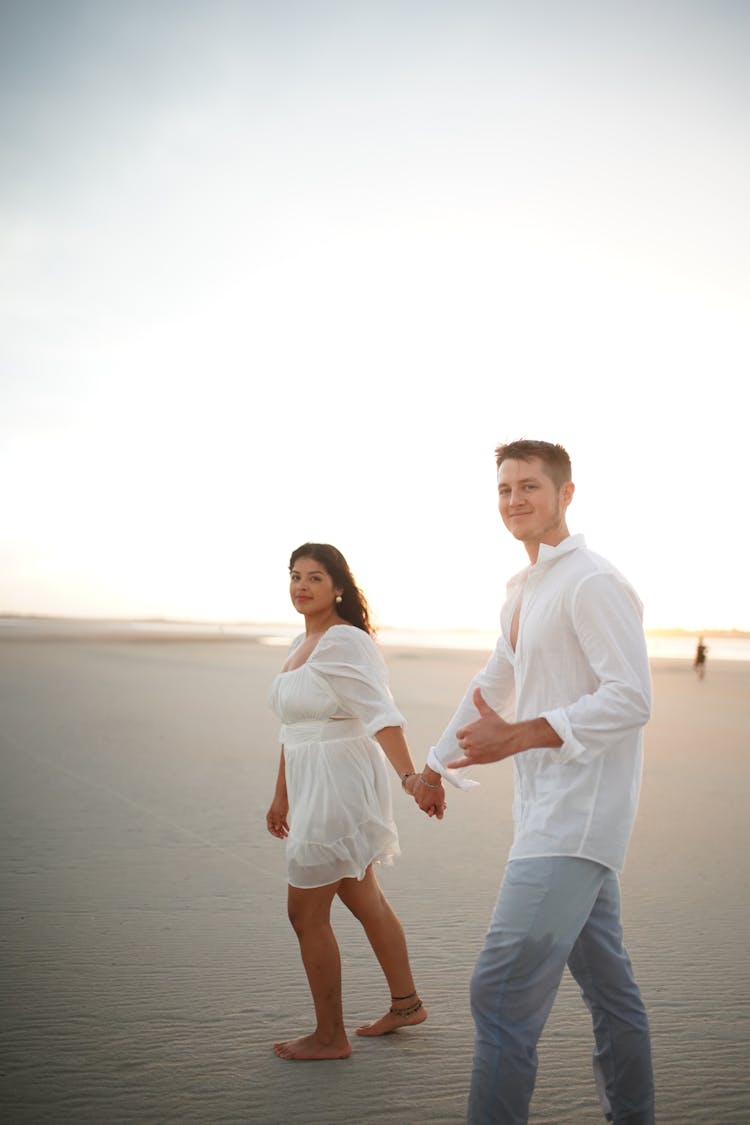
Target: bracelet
column 428, row 785
column 405, row 777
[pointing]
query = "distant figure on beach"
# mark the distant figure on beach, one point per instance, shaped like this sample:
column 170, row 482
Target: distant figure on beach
column 333, row 698
column 699, row 663
column 566, row 692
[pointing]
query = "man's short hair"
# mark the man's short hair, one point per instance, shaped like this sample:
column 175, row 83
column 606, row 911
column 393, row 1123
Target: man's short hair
column 554, row 458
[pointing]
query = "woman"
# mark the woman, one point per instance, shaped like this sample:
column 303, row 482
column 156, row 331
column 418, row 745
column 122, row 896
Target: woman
column 332, row 697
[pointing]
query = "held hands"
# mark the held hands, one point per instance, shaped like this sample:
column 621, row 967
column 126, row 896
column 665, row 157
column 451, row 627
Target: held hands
column 276, row 821
column 488, row 739
column 427, row 790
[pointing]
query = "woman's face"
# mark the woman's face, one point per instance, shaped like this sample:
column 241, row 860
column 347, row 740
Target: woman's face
column 311, row 587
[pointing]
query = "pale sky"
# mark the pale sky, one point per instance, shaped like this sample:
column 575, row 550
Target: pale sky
column 281, row 271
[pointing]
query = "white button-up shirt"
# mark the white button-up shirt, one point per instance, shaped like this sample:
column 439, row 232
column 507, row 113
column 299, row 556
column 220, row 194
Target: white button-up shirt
column 580, row 662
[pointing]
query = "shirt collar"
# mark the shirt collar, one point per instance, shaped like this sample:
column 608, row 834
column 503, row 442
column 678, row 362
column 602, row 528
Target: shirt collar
column 550, row 554
column 547, row 556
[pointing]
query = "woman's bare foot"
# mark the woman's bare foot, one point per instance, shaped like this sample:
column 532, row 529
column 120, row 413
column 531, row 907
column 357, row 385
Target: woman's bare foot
column 394, row 1019
column 309, row 1047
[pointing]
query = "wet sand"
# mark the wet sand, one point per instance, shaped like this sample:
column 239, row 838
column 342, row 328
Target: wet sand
column 147, row 962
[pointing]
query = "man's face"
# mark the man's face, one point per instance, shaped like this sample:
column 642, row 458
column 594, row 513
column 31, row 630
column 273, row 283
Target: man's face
column 531, row 505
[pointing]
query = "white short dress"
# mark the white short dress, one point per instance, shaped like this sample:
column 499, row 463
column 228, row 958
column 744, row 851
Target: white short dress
column 340, row 809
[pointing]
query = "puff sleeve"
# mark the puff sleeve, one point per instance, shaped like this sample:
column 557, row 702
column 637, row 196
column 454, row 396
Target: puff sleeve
column 351, row 665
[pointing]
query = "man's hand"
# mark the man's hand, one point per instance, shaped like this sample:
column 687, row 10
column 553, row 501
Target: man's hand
column 488, row 739
column 429, row 793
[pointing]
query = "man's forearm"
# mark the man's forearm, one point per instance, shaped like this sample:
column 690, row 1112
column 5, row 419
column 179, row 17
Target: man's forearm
column 491, row 739
column 531, row 734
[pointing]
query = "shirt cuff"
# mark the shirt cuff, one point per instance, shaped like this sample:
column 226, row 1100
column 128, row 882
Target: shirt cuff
column 571, row 748
column 454, row 777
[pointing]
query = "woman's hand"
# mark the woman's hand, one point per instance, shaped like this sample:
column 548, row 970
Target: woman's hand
column 276, row 821
column 429, row 793
column 408, row 784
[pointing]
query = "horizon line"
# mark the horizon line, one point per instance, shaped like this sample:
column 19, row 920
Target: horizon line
column 657, row 630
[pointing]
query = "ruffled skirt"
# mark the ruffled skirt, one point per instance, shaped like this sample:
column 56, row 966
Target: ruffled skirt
column 340, row 808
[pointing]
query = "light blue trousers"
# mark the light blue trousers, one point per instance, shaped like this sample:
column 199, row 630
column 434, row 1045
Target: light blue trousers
column 550, row 912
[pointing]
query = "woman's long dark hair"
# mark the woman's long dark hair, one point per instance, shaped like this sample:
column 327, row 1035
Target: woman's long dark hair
column 353, row 605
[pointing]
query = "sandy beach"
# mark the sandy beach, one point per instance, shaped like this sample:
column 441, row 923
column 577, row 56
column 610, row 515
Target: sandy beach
column 147, row 961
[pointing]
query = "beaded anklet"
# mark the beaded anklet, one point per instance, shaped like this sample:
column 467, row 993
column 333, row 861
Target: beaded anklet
column 404, row 1013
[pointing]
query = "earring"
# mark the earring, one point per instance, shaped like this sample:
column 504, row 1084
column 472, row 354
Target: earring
column 339, row 599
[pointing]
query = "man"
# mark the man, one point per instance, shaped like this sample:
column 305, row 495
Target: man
column 570, row 670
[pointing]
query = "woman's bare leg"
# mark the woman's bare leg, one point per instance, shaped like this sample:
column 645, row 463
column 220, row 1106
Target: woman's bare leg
column 385, row 934
column 310, row 915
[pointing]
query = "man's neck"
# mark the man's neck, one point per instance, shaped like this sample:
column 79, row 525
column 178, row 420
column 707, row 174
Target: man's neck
column 532, row 548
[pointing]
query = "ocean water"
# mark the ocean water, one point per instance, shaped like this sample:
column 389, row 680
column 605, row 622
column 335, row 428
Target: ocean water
column 680, row 647
column 661, row 646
